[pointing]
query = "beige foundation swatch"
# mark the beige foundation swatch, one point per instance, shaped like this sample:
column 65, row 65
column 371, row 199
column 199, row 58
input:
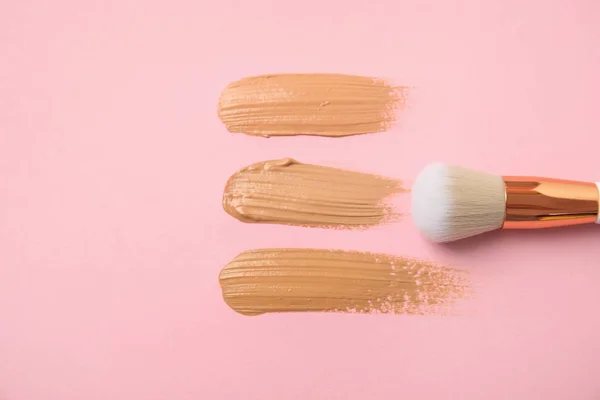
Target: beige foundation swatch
column 285, row 280
column 309, row 104
column 291, row 193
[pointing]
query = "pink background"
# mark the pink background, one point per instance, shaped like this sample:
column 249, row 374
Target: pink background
column 112, row 163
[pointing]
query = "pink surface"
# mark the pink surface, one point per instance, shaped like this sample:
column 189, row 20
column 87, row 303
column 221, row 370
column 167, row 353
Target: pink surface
column 112, row 163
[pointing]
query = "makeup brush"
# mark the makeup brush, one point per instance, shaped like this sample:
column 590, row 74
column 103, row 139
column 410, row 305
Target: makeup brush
column 451, row 202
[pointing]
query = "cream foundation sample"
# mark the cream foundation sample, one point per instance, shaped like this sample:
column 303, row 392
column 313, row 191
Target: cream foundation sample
column 289, row 192
column 280, row 280
column 309, row 104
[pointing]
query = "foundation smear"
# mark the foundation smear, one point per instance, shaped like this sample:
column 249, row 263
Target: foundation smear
column 312, row 280
column 309, row 104
column 291, row 193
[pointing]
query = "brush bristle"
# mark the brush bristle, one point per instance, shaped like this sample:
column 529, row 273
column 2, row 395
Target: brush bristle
column 451, row 203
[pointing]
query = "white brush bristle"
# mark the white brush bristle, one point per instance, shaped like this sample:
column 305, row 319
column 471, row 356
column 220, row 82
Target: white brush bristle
column 451, row 203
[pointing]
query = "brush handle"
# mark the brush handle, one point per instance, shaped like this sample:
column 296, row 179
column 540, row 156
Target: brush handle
column 534, row 202
column 598, row 185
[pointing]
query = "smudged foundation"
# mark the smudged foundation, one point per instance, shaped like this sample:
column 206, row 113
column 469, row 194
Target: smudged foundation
column 313, row 280
column 309, row 104
column 291, row 193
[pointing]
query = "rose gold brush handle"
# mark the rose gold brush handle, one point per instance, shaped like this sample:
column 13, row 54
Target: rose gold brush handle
column 533, row 202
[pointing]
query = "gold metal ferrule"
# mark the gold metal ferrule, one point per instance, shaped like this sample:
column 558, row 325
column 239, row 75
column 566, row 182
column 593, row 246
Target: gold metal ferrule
column 533, row 203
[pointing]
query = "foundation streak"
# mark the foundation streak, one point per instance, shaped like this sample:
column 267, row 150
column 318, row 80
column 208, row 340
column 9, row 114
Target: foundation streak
column 286, row 280
column 291, row 193
column 309, row 104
